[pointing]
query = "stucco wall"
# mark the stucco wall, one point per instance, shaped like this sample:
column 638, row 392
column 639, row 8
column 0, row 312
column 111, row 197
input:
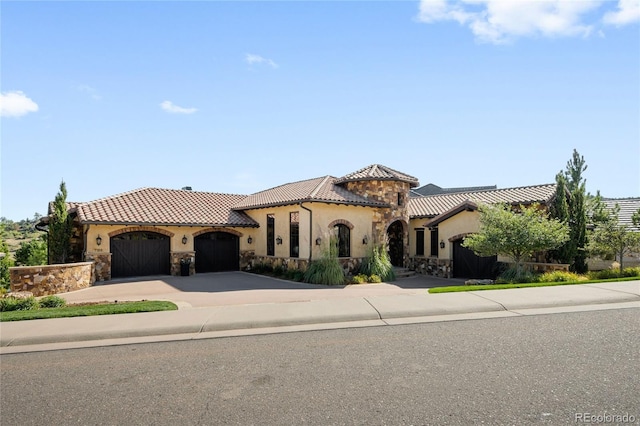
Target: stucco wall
column 51, row 279
column 323, row 216
column 449, row 230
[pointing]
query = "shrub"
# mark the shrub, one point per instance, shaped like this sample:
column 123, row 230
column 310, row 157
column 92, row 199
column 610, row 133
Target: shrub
column 378, row 263
column 324, row 271
column 606, row 274
column 278, row 271
column 373, row 278
column 631, row 272
column 294, row 275
column 516, row 276
column 262, row 268
column 52, row 302
column 359, row 279
column 18, row 304
column 560, row 276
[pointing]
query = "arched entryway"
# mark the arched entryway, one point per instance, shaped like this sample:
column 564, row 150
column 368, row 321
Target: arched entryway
column 395, row 232
column 217, row 251
column 139, row 253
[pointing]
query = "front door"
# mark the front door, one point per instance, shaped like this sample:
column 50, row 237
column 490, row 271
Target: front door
column 396, row 243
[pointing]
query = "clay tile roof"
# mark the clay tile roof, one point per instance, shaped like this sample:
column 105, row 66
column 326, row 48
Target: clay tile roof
column 155, row 206
column 378, row 172
column 322, row 189
column 628, row 206
column 434, row 205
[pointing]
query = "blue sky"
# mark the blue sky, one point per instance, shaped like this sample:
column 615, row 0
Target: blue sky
column 238, row 97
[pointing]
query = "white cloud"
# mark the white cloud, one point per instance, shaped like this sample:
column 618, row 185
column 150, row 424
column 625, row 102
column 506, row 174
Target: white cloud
column 89, row 91
column 175, row 109
column 251, row 59
column 16, row 104
column 502, row 21
column 628, row 12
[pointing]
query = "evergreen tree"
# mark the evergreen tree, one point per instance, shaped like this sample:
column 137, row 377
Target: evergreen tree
column 560, row 211
column 60, row 228
column 574, row 251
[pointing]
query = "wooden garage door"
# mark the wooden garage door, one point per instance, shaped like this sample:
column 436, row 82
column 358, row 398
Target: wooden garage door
column 136, row 254
column 217, row 251
column 466, row 264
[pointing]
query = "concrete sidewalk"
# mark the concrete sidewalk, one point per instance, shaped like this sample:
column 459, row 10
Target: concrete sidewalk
column 369, row 310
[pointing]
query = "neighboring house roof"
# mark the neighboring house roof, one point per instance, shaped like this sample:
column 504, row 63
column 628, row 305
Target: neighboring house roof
column 156, row 206
column 432, row 189
column 378, row 172
column 628, row 206
column 434, row 205
column 322, row 189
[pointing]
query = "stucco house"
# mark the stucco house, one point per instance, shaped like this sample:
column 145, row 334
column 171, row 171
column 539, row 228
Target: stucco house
column 153, row 231
column 628, row 206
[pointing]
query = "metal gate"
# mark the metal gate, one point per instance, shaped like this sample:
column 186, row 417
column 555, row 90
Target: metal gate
column 139, row 253
column 466, row 264
column 217, row 251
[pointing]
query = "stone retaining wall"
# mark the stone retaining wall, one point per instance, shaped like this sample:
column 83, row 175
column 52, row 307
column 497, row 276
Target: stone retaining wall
column 51, row 279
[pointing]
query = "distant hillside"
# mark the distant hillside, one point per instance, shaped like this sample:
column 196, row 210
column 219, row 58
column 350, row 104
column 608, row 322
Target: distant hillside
column 14, row 233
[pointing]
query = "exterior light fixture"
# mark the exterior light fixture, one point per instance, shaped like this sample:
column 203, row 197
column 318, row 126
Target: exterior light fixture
column 365, row 240
column 249, row 240
column 184, row 240
column 318, row 241
column 441, row 244
column 98, row 240
column 279, row 240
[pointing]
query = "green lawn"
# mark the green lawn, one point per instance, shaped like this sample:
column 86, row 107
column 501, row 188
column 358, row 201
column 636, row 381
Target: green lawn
column 457, row 288
column 88, row 310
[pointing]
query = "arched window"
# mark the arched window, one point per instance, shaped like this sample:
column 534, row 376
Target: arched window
column 343, row 233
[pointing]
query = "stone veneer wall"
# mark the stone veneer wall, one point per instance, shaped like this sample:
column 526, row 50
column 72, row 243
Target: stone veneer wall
column 176, row 262
column 51, row 279
column 247, row 259
column 432, row 266
column 387, row 192
column 102, row 265
column 350, row 265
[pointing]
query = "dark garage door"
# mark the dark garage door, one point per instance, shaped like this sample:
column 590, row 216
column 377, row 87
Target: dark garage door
column 137, row 254
column 217, row 251
column 466, row 264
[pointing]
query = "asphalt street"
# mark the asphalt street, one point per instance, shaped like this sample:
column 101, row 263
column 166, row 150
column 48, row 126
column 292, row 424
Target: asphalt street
column 543, row 369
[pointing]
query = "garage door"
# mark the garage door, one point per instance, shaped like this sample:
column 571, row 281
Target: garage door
column 136, row 254
column 466, row 264
column 217, row 251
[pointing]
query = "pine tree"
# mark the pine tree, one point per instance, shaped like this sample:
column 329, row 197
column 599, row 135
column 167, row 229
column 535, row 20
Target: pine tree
column 560, row 211
column 59, row 228
column 575, row 249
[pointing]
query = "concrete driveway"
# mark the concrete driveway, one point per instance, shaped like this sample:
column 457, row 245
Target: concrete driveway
column 241, row 288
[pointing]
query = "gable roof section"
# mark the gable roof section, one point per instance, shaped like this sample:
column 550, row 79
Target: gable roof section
column 433, row 205
column 628, row 206
column 156, row 206
column 322, row 189
column 378, row 172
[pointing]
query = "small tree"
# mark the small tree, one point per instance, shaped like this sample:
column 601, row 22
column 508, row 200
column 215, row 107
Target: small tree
column 611, row 238
column 32, row 253
column 518, row 235
column 60, row 228
column 5, row 263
